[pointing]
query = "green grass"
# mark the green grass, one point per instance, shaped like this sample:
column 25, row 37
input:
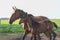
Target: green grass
column 57, row 21
column 10, row 28
column 4, row 21
column 7, row 22
column 15, row 27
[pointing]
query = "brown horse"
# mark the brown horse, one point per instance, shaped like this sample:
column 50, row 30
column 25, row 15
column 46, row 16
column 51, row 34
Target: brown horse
column 19, row 14
column 37, row 28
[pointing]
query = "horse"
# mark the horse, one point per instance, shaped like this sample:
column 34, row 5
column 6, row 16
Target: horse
column 37, row 28
column 19, row 14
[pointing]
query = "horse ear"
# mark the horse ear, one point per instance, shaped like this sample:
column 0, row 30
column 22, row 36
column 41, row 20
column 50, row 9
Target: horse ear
column 14, row 8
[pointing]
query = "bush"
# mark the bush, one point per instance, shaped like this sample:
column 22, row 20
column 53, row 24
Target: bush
column 4, row 28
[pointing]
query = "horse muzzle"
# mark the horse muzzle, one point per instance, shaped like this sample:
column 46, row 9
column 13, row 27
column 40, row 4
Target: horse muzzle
column 10, row 22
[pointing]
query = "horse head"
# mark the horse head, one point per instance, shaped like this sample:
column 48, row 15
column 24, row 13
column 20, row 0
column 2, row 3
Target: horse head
column 16, row 14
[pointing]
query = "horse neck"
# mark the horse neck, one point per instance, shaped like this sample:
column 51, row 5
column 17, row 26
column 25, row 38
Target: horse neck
column 30, row 22
column 26, row 25
column 33, row 24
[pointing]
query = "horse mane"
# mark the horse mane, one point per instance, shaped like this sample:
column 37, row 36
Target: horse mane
column 20, row 11
column 30, row 15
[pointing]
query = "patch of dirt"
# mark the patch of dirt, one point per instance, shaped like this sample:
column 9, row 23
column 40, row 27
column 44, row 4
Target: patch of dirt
column 18, row 36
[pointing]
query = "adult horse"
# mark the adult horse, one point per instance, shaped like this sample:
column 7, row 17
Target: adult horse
column 20, row 13
column 37, row 28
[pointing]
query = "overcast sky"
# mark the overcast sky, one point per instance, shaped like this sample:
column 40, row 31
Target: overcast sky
column 48, row 8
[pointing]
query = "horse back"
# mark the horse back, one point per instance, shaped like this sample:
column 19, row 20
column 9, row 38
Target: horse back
column 40, row 18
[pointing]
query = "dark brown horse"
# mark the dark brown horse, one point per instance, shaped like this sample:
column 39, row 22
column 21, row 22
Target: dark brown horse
column 19, row 14
column 37, row 28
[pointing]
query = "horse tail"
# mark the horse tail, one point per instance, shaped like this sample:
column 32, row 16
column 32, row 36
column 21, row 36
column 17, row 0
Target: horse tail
column 55, row 25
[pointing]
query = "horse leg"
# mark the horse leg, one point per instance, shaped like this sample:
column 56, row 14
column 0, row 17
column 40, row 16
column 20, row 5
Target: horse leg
column 54, row 35
column 35, row 37
column 25, row 34
column 48, row 34
column 32, row 36
column 39, row 37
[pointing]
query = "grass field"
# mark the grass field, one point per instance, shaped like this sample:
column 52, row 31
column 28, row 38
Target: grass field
column 15, row 27
column 57, row 21
column 7, row 22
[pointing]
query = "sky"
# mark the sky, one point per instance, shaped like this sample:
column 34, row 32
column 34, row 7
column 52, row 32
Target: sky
column 48, row 8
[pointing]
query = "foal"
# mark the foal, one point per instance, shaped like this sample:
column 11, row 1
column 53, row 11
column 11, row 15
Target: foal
column 41, row 29
column 26, row 20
